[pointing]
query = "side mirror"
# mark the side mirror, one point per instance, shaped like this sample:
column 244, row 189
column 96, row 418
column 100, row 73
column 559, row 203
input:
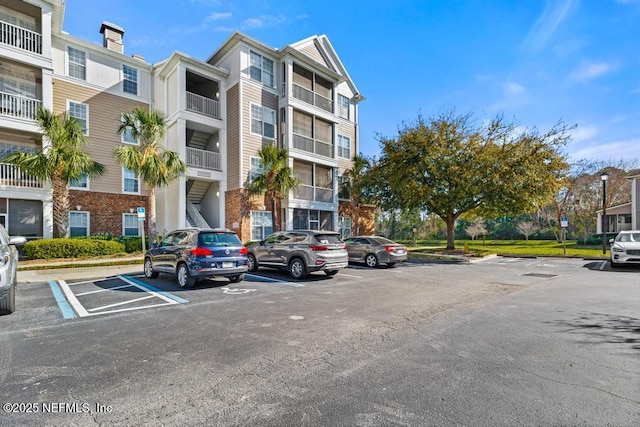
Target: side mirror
column 261, row 243
column 17, row 240
column 611, row 241
column 154, row 245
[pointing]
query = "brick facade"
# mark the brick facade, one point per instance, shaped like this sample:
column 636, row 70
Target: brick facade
column 366, row 218
column 238, row 207
column 106, row 209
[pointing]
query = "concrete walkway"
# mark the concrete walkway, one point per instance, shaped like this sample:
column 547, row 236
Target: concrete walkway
column 37, row 272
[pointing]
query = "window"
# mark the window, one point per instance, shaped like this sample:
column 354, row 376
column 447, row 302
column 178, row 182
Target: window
column 78, row 223
column 80, row 112
column 344, row 227
column 77, row 63
column 312, row 219
column 343, row 187
column 130, row 224
column 343, row 106
column 82, row 182
column 256, row 168
column 263, row 121
column 129, row 79
column 130, row 181
column 261, row 69
column 261, row 224
column 344, row 147
column 128, row 138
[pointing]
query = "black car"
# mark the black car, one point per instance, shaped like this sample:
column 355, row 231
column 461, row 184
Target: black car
column 197, row 253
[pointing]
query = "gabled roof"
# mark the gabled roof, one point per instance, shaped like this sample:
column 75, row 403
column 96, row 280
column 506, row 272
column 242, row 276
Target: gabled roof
column 316, row 51
column 166, row 65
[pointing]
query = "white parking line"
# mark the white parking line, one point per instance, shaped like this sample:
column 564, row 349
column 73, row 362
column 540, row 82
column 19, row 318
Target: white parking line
column 121, row 303
column 79, row 308
column 349, row 275
column 602, row 265
column 102, row 290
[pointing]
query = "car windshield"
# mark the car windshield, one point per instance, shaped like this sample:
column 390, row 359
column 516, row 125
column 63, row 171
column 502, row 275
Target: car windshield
column 327, row 239
column 218, row 239
column 629, row 237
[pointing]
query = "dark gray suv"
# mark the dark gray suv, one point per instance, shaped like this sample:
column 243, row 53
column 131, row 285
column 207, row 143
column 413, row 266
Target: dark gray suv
column 197, row 253
column 300, row 252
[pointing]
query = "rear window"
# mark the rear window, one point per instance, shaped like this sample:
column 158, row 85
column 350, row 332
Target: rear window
column 383, row 241
column 218, row 239
column 327, row 239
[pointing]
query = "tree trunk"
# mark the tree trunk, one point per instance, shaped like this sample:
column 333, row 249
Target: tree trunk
column 356, row 215
column 152, row 215
column 60, row 206
column 558, row 224
column 274, row 214
column 451, row 222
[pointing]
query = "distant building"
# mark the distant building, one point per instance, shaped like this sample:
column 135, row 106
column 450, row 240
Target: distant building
column 625, row 216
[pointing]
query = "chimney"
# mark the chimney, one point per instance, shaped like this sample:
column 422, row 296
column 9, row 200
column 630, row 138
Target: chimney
column 112, row 36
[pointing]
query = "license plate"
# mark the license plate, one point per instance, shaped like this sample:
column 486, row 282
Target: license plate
column 227, row 265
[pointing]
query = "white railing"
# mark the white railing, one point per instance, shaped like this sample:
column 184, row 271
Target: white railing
column 196, row 216
column 19, row 37
column 12, row 176
column 313, row 98
column 311, row 193
column 18, row 106
column 203, row 158
column 203, row 105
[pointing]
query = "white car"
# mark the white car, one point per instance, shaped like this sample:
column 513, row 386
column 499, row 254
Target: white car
column 625, row 248
column 8, row 266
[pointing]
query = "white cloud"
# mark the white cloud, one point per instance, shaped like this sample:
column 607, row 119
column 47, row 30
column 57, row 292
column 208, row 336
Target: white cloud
column 218, row 16
column 265, row 21
column 623, row 149
column 554, row 13
column 584, row 133
column 591, row 70
column 514, row 88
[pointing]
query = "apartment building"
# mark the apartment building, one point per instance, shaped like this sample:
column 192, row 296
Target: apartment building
column 219, row 112
column 300, row 98
column 26, row 74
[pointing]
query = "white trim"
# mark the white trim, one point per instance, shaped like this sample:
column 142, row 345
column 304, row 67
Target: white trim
column 88, row 187
column 69, row 101
column 268, row 110
column 339, row 147
column 88, row 214
column 123, row 186
column 66, row 63
column 127, row 142
column 122, row 79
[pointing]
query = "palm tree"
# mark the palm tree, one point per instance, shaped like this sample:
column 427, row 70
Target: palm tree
column 356, row 187
column 149, row 160
column 275, row 179
column 60, row 161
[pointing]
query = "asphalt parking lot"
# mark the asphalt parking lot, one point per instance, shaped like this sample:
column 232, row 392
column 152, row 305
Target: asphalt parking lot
column 500, row 341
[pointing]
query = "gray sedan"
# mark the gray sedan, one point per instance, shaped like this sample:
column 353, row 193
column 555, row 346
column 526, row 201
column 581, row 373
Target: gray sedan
column 374, row 250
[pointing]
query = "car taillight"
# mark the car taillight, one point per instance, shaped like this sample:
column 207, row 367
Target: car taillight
column 244, row 251
column 201, row 251
column 318, row 248
column 390, row 248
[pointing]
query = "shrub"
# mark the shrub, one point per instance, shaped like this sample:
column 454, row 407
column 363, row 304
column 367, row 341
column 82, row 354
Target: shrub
column 71, row 248
column 132, row 243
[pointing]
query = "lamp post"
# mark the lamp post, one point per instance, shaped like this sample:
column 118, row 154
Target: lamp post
column 604, row 178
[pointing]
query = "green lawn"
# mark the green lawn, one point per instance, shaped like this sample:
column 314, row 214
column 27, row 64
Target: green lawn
column 511, row 247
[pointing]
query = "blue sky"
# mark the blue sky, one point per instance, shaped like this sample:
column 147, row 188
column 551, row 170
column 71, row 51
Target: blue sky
column 535, row 61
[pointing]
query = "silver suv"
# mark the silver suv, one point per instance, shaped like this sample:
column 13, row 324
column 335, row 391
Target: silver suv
column 300, row 252
column 8, row 267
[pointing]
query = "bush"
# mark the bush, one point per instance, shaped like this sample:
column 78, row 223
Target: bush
column 596, row 239
column 71, row 248
column 132, row 243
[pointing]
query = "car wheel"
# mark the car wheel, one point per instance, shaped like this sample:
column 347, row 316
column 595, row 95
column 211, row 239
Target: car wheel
column 8, row 304
column 371, row 260
column 614, row 264
column 297, row 269
column 331, row 273
column 148, row 270
column 252, row 263
column 184, row 280
column 236, row 279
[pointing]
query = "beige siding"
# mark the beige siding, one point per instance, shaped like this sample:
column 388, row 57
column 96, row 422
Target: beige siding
column 233, row 137
column 104, row 117
column 311, row 50
column 347, row 129
column 251, row 143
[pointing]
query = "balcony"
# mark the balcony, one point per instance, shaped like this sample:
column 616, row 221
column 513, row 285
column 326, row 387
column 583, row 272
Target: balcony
column 21, row 38
column 317, row 194
column 203, row 159
column 203, row 105
column 308, row 96
column 11, row 176
column 311, row 145
column 18, row 106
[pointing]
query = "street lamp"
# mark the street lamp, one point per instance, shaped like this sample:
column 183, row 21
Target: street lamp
column 604, row 178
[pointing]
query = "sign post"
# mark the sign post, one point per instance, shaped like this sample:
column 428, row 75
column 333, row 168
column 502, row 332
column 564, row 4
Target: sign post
column 141, row 217
column 564, row 223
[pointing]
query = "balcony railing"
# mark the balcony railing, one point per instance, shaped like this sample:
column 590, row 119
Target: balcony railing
column 12, row 176
column 318, row 194
column 21, row 38
column 18, row 106
column 312, row 145
column 203, row 159
column 203, row 105
column 310, row 97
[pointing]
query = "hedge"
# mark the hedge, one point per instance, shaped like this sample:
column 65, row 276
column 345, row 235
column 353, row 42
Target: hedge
column 71, row 248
